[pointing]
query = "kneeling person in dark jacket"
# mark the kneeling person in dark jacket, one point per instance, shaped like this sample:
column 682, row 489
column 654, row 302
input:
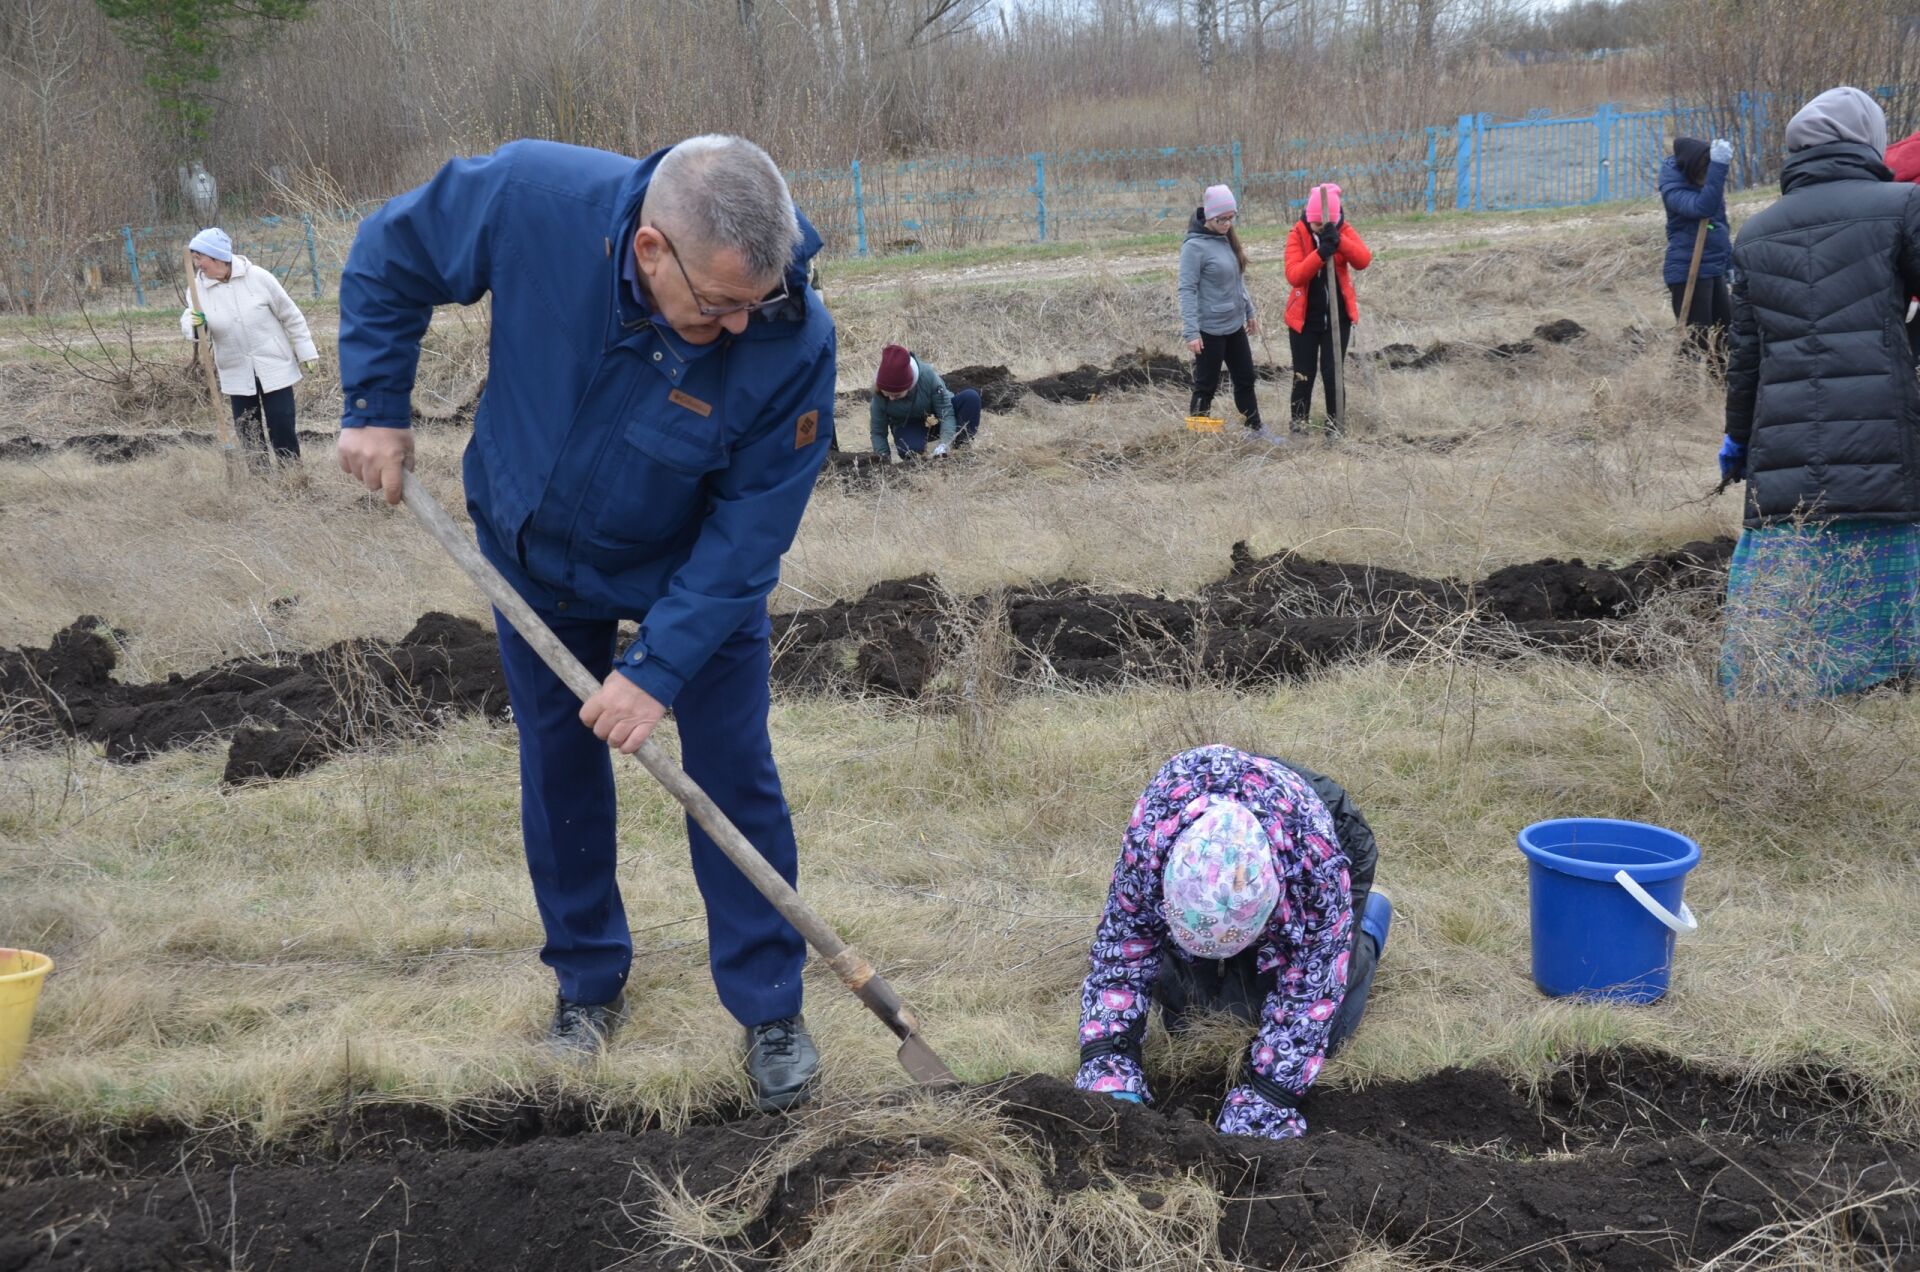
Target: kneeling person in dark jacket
column 906, row 393
column 1245, row 885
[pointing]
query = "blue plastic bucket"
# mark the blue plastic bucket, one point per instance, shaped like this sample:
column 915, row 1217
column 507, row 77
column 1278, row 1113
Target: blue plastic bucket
column 1605, row 901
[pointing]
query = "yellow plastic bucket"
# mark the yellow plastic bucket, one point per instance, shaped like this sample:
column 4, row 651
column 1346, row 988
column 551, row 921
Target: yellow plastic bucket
column 1206, row 424
column 21, row 972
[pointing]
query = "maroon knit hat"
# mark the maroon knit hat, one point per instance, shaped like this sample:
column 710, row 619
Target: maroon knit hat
column 896, row 370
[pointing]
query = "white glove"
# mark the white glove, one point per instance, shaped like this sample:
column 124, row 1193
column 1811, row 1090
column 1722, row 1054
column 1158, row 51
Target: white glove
column 1721, row 151
column 940, row 450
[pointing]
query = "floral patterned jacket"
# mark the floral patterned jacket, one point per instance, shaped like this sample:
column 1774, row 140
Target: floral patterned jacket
column 1307, row 942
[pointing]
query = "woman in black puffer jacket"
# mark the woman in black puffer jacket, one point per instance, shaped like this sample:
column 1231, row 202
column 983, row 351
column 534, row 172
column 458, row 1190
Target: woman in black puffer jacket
column 1823, row 417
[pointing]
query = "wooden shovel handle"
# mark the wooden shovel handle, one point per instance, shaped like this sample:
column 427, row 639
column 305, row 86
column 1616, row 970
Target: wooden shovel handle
column 853, row 969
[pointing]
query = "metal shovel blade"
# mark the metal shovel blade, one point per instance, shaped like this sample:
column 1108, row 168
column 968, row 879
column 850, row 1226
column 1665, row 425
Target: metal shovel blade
column 923, row 1066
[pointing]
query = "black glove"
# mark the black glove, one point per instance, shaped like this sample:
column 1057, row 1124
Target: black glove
column 1329, row 242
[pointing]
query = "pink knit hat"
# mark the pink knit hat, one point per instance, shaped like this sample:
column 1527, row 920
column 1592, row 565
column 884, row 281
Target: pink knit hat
column 1220, row 885
column 1332, row 201
column 1218, row 202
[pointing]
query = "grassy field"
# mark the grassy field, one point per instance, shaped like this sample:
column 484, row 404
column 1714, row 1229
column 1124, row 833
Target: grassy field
column 241, row 958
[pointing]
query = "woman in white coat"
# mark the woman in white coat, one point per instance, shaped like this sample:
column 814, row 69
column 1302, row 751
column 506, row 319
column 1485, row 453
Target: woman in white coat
column 259, row 339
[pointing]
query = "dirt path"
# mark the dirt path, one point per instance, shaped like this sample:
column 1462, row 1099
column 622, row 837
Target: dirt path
column 1463, row 234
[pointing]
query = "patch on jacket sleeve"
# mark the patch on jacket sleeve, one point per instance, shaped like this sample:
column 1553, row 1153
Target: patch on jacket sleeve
column 807, row 430
column 692, row 403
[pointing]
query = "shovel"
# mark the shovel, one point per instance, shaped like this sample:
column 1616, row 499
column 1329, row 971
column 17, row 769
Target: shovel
column 919, row 1060
column 222, row 421
column 1693, row 274
column 1327, row 199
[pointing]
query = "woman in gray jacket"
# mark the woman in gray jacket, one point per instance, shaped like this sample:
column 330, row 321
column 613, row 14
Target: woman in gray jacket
column 1216, row 312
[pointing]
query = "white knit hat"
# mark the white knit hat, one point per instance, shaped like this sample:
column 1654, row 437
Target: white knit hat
column 213, row 242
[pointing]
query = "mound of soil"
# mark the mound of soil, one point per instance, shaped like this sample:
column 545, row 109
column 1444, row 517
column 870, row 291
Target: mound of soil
column 282, row 718
column 1454, row 1167
column 999, row 391
column 996, row 386
column 121, row 448
column 1406, row 357
column 1273, row 617
column 105, row 448
column 1269, row 618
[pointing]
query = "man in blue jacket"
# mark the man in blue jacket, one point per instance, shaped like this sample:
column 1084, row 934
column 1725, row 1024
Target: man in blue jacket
column 659, row 401
column 1693, row 185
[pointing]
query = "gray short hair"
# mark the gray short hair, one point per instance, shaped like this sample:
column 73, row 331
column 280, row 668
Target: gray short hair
column 725, row 192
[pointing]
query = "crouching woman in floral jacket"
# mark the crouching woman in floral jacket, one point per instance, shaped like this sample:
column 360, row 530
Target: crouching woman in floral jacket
column 1244, row 885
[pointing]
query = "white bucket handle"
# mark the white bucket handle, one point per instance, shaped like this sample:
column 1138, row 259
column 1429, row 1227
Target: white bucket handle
column 1682, row 923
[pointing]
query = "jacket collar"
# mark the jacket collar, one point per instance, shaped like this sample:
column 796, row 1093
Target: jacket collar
column 632, row 309
column 1835, row 161
column 240, row 267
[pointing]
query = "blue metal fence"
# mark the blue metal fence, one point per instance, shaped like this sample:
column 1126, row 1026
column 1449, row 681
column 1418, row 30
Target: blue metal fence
column 1481, row 162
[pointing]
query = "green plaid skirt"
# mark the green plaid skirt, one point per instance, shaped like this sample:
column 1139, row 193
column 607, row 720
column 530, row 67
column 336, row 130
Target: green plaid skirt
column 1822, row 609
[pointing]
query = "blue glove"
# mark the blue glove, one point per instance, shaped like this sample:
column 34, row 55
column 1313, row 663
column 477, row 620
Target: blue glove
column 1129, row 1096
column 1733, row 460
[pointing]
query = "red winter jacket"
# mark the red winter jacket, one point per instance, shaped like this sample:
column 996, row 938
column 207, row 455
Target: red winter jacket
column 1304, row 263
column 1904, row 158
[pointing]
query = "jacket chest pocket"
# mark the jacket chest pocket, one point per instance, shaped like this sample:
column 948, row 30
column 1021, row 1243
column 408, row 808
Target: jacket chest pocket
column 656, row 486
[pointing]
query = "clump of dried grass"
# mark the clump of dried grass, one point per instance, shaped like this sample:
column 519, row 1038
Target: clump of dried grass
column 962, row 1188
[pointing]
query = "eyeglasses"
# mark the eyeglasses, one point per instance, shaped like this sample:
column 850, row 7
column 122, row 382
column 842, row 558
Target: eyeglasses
column 763, row 306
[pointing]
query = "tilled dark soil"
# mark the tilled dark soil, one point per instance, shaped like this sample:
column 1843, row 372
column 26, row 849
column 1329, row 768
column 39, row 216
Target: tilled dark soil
column 282, row 718
column 999, row 391
column 1269, row 618
column 1620, row 1161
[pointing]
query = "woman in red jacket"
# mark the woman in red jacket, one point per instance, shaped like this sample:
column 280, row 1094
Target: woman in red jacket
column 1321, row 234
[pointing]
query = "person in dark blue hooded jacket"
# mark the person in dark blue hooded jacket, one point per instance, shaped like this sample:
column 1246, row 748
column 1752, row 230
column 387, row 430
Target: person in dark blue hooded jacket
column 1693, row 185
column 659, row 401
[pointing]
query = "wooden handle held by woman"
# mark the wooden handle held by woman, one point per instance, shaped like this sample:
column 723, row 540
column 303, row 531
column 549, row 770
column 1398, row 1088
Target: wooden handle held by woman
column 222, row 420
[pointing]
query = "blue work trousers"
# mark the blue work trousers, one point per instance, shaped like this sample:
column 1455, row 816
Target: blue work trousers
column 567, row 818
column 912, row 437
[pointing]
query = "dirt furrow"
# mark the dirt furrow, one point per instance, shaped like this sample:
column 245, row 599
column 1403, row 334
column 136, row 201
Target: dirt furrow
column 1624, row 1162
column 1268, row 618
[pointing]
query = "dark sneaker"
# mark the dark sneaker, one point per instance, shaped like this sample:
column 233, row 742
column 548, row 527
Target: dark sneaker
column 580, row 1031
column 781, row 1063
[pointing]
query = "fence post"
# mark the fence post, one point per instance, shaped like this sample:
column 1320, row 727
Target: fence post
column 313, row 258
column 1480, row 161
column 859, row 212
column 1463, row 164
column 1744, row 123
column 1603, row 128
column 1040, row 192
column 1239, row 182
column 133, row 268
column 1760, row 128
column 1433, row 162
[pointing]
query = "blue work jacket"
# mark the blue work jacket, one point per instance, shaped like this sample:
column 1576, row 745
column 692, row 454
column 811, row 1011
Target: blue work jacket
column 615, row 471
column 1686, row 204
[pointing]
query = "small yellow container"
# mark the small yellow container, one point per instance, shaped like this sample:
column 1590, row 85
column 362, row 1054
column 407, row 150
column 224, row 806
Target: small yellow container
column 1205, row 424
column 21, row 974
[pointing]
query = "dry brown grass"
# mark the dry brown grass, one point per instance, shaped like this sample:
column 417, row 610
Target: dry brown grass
column 245, row 956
